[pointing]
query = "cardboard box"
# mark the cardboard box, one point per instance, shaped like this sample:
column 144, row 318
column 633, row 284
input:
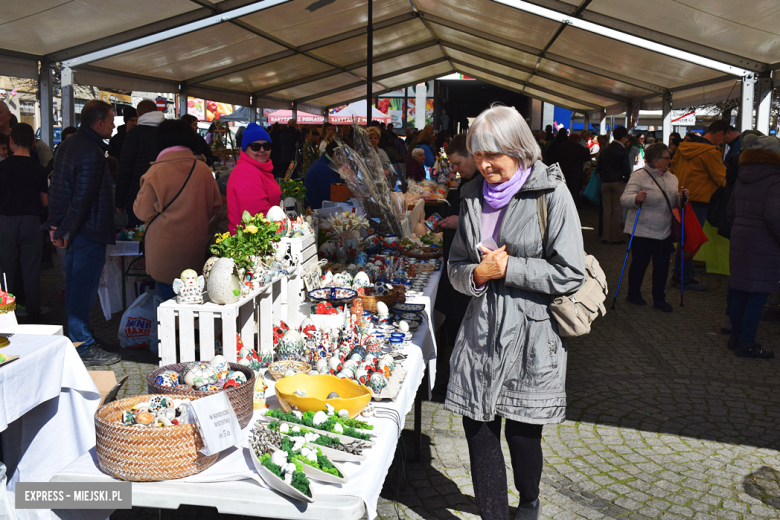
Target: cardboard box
column 106, row 383
column 340, row 192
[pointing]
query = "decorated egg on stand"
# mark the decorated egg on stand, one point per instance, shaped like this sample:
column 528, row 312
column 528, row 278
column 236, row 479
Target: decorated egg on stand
column 290, row 347
column 361, row 376
column 361, row 280
column 278, row 216
column 377, row 383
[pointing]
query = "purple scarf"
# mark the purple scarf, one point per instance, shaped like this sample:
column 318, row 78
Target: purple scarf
column 498, row 195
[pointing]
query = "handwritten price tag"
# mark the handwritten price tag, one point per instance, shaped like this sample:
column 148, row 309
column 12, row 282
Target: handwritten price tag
column 217, row 423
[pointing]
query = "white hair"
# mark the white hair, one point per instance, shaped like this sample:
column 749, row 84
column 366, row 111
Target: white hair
column 501, row 129
column 417, row 151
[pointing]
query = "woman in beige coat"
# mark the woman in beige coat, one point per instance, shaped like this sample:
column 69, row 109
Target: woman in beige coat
column 178, row 236
column 653, row 237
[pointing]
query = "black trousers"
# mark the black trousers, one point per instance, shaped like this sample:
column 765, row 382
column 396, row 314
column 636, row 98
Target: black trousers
column 642, row 251
column 488, row 469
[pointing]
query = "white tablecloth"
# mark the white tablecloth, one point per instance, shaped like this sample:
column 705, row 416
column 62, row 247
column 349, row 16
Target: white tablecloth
column 365, row 478
column 428, row 344
column 47, row 404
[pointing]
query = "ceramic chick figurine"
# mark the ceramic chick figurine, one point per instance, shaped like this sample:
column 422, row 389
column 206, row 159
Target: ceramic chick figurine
column 189, row 287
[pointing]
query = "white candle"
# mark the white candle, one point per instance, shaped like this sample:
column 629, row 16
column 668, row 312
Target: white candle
column 5, row 284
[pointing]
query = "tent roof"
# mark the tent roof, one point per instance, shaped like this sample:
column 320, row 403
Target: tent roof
column 314, row 52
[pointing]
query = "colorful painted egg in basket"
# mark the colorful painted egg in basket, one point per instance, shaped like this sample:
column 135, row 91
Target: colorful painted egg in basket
column 290, row 347
column 199, row 375
column 219, row 363
column 237, row 376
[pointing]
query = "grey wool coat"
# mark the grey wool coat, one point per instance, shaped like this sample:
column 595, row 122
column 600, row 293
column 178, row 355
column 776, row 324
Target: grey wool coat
column 509, row 360
column 754, row 212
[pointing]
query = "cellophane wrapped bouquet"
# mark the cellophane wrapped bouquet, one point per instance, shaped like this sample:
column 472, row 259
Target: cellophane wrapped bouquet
column 362, row 170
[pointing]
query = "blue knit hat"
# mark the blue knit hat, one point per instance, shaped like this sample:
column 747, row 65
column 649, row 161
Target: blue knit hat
column 254, row 132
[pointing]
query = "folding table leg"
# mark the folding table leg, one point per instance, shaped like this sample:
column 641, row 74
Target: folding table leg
column 418, row 418
column 165, row 514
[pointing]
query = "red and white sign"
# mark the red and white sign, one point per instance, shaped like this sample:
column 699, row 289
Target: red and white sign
column 683, row 118
column 162, row 104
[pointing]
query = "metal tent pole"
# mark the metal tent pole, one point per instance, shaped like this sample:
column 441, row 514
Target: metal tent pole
column 370, row 62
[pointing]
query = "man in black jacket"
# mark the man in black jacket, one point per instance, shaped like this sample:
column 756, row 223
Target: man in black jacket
column 614, row 169
column 81, row 218
column 289, row 142
column 139, row 151
column 117, row 142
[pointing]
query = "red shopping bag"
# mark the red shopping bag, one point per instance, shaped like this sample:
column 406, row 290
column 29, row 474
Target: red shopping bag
column 694, row 234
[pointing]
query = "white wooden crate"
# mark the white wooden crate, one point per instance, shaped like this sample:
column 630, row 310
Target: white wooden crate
column 253, row 314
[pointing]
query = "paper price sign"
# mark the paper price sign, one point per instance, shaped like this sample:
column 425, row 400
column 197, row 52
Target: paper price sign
column 217, row 423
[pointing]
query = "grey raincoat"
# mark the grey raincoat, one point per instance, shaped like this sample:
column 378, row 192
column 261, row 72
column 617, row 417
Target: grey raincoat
column 509, row 359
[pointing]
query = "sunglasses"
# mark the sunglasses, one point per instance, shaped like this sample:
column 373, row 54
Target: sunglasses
column 256, row 147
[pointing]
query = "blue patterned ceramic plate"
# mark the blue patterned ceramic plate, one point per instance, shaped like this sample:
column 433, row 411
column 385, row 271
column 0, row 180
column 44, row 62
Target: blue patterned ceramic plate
column 334, row 295
column 408, row 307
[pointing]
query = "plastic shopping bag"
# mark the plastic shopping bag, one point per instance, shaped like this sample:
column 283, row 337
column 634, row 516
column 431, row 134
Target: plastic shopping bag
column 593, row 189
column 138, row 328
column 694, row 236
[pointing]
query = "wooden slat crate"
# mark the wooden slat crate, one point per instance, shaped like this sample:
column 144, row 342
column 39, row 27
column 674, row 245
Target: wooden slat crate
column 253, row 314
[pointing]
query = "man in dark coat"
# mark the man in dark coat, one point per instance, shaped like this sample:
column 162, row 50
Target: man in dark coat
column 754, row 251
column 139, row 151
column 572, row 157
column 117, row 142
column 614, row 170
column 288, row 144
column 81, row 218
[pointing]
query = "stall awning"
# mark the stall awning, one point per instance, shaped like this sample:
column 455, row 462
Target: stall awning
column 314, row 52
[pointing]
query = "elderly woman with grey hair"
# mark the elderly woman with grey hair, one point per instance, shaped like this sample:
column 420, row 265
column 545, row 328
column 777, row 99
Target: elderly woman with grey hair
column 654, row 188
column 415, row 161
column 509, row 360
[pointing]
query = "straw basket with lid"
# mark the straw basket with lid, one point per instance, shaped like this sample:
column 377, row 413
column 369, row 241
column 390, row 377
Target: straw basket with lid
column 240, row 396
column 146, row 454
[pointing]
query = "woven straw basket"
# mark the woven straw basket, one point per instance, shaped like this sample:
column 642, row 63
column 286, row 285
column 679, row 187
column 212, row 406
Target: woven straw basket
column 143, row 454
column 369, row 302
column 240, row 396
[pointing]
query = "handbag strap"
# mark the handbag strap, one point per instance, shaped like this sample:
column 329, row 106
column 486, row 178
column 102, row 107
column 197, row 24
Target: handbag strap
column 194, row 163
column 662, row 191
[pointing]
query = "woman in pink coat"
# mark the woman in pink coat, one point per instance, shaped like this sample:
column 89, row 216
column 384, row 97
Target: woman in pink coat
column 251, row 186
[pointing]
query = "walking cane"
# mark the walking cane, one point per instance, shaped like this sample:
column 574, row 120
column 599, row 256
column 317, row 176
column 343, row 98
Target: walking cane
column 638, row 211
column 682, row 256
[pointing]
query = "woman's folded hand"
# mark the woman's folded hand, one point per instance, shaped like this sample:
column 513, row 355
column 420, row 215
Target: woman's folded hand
column 492, row 267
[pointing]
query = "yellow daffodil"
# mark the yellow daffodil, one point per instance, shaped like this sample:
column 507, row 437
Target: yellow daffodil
column 219, row 240
column 251, row 229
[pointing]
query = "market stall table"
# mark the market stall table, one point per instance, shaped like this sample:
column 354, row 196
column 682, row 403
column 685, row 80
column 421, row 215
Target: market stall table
column 123, row 261
column 236, row 490
column 47, row 400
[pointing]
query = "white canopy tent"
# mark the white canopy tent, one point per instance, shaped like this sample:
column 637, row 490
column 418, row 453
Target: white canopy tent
column 358, row 111
column 590, row 56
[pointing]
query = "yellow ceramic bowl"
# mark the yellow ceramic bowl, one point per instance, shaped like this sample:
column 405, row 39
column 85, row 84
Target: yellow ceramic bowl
column 352, row 396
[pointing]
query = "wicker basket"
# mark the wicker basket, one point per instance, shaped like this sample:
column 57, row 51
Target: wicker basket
column 299, row 366
column 433, row 254
column 240, row 396
column 147, row 454
column 369, row 302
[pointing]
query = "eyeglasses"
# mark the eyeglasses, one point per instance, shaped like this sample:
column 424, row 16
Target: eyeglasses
column 666, row 157
column 256, row 147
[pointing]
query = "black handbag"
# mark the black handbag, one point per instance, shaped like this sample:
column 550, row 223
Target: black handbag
column 142, row 245
column 716, row 211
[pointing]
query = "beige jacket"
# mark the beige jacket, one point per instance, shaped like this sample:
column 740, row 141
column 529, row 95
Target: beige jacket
column 655, row 220
column 178, row 238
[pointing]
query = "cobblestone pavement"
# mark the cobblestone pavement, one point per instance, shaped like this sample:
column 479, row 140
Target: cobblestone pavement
column 663, row 421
